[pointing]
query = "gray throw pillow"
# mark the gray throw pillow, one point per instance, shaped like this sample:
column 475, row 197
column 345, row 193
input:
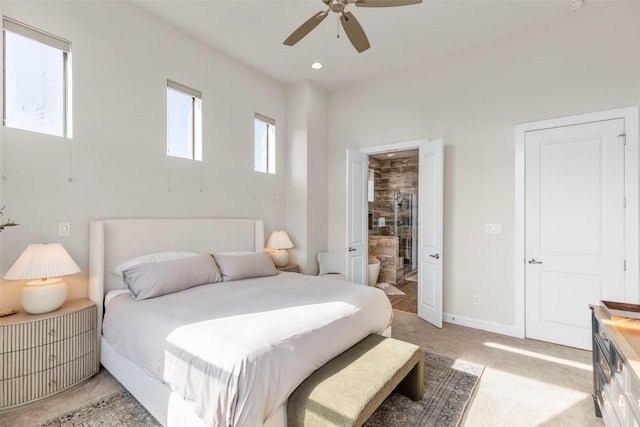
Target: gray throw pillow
column 237, row 267
column 160, row 278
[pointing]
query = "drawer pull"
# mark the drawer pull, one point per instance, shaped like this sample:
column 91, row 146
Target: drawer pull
column 52, row 332
column 604, row 338
column 52, row 358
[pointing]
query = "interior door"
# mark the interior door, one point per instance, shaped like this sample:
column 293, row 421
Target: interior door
column 357, row 232
column 431, row 165
column 574, row 228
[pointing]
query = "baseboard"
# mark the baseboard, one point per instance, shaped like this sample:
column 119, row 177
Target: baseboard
column 497, row 328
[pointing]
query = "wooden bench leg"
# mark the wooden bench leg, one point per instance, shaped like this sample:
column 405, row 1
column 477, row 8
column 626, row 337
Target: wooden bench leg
column 413, row 384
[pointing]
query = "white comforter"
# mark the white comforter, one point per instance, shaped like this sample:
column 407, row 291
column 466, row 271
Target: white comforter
column 239, row 349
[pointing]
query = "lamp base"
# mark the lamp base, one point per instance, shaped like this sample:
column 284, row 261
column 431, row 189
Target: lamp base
column 280, row 257
column 43, row 296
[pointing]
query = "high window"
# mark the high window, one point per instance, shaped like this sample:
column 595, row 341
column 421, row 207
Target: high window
column 264, row 144
column 37, row 80
column 184, row 121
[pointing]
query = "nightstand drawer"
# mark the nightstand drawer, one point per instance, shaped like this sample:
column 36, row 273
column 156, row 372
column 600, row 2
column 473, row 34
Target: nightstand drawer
column 19, row 390
column 42, row 354
column 47, row 330
column 633, row 395
column 29, row 361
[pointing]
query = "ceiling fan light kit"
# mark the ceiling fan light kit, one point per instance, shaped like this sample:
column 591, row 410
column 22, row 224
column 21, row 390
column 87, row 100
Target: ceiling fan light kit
column 350, row 24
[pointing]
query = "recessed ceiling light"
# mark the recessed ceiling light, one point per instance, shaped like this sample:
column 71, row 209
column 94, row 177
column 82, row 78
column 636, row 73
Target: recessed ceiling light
column 316, row 65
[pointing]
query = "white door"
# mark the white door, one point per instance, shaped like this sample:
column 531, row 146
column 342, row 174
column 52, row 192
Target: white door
column 357, row 232
column 574, row 228
column 430, row 224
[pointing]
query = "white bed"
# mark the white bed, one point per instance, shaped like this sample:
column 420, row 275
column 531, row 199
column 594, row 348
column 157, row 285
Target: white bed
column 114, row 241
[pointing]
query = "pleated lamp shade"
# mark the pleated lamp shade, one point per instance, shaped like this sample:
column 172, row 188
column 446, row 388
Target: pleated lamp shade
column 45, row 262
column 279, row 240
column 41, row 261
column 278, row 244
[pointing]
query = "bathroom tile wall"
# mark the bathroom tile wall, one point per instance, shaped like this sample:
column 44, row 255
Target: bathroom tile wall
column 386, row 249
column 397, row 177
column 391, row 176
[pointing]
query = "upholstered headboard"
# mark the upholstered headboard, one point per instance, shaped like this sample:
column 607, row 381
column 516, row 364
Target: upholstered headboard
column 116, row 240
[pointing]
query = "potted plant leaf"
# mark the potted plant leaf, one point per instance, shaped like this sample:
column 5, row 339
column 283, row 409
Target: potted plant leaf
column 8, row 222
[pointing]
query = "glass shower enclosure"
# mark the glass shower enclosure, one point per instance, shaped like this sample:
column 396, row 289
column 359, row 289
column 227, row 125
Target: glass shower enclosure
column 405, row 212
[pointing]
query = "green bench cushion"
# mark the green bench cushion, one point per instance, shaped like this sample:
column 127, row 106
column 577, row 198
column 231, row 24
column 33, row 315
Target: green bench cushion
column 349, row 388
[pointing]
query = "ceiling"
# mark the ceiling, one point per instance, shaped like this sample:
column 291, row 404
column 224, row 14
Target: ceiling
column 252, row 32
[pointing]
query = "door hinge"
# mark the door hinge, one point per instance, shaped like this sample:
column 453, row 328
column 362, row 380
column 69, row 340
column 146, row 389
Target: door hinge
column 625, row 265
column 624, row 202
column 624, row 138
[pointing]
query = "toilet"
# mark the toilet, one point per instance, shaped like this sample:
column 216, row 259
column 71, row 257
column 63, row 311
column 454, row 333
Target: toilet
column 373, row 270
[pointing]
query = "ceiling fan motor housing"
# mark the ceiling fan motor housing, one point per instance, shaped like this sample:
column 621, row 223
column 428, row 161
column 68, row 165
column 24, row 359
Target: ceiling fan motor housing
column 336, row 6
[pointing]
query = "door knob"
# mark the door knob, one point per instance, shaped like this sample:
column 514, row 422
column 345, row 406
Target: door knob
column 352, row 249
column 436, row 256
column 533, row 261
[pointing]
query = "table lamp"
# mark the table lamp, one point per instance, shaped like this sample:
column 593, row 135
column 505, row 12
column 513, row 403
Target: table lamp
column 278, row 244
column 44, row 262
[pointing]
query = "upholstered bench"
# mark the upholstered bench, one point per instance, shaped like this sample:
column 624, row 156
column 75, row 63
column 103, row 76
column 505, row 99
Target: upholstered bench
column 349, row 388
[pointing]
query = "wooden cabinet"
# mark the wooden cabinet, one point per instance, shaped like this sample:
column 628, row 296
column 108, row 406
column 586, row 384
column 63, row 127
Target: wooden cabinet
column 44, row 354
column 616, row 363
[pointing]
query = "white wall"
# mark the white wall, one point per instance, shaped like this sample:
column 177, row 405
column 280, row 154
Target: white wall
column 297, row 178
column 585, row 62
column 307, row 157
column 121, row 60
column 317, row 217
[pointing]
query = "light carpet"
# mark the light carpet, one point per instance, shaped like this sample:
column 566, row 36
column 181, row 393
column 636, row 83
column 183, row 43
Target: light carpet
column 449, row 386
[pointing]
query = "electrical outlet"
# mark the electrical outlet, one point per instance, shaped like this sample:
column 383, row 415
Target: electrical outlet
column 476, row 299
column 64, row 229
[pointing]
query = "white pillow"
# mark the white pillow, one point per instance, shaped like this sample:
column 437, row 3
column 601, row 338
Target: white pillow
column 153, row 257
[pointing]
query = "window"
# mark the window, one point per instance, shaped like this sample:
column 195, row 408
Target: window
column 264, row 144
column 37, row 80
column 184, row 122
column 371, row 186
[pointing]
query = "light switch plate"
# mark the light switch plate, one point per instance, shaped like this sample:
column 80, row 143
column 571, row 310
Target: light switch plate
column 64, row 229
column 493, row 228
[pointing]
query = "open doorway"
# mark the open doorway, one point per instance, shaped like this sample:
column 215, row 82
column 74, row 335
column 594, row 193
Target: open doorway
column 392, row 196
column 430, row 223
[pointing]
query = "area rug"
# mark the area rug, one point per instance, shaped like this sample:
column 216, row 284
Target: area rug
column 118, row 409
column 449, row 386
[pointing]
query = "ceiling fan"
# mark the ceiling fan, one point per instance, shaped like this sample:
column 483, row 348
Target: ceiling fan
column 351, row 26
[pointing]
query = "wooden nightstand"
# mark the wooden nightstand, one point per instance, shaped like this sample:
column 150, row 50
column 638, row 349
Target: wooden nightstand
column 294, row 268
column 43, row 354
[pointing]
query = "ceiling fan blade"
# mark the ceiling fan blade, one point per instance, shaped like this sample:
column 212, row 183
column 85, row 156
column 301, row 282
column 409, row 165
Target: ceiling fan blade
column 386, row 3
column 305, row 28
column 355, row 32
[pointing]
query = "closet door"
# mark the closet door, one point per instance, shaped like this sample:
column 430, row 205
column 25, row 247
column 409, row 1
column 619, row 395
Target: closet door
column 574, row 227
